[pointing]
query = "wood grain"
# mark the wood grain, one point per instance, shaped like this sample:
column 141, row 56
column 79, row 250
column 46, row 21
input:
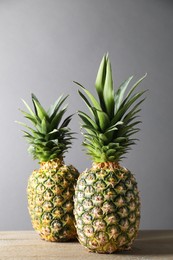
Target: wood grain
column 21, row 245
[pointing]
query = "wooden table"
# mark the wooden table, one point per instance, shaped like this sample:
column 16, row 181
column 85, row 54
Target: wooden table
column 21, row 245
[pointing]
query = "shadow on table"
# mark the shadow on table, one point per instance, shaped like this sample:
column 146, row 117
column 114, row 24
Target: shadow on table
column 155, row 243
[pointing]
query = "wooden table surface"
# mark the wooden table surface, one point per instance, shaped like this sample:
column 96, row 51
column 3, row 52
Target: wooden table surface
column 21, row 245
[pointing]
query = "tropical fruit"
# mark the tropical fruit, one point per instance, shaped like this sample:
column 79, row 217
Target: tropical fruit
column 51, row 187
column 107, row 202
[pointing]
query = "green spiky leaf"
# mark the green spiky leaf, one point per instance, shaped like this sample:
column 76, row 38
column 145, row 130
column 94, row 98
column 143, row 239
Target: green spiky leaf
column 108, row 132
column 108, row 91
column 49, row 137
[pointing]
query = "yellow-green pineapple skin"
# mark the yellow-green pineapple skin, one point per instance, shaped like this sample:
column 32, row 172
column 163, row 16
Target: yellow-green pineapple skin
column 107, row 204
column 107, row 208
column 50, row 188
column 50, row 200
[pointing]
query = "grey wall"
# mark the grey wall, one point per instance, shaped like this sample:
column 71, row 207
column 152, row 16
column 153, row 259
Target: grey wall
column 44, row 46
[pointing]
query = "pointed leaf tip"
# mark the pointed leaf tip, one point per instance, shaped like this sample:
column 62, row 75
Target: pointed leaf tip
column 100, row 80
column 107, row 55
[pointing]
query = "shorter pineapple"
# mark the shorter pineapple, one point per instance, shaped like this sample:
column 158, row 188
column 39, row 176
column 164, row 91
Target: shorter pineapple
column 107, row 203
column 51, row 188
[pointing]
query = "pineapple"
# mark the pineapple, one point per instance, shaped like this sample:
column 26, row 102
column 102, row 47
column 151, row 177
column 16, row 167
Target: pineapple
column 51, row 188
column 107, row 202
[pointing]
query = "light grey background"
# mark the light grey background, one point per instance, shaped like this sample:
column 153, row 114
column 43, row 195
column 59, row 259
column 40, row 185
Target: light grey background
column 44, row 46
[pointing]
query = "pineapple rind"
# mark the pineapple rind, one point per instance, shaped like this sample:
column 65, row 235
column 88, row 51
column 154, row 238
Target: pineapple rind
column 107, row 208
column 50, row 201
column 51, row 188
column 107, row 204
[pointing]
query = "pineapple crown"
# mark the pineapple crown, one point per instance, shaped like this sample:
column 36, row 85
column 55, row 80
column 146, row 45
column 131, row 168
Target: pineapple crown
column 114, row 116
column 49, row 138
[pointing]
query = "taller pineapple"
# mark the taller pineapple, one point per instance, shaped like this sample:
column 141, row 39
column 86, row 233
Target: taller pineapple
column 51, row 188
column 107, row 204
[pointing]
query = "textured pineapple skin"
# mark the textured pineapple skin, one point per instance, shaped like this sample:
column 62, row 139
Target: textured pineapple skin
column 107, row 208
column 50, row 201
